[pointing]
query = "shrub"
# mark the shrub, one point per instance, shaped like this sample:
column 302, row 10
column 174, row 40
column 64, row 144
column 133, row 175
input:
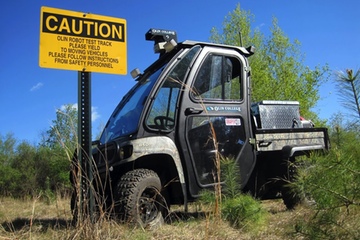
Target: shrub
column 333, row 183
column 243, row 211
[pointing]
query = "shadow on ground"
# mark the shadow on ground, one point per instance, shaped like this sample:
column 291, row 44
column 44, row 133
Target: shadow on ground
column 179, row 216
column 58, row 223
column 25, row 223
column 175, row 216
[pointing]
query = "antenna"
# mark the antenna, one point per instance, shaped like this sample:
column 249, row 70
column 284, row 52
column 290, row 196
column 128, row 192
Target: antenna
column 241, row 41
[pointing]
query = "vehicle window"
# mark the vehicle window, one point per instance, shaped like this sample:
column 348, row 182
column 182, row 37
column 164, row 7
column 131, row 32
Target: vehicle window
column 219, row 77
column 230, row 136
column 162, row 112
column 125, row 119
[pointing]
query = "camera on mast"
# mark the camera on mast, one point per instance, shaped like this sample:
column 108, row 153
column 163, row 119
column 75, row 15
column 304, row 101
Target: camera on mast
column 164, row 40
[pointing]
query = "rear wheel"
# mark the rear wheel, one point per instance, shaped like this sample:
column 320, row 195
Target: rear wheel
column 290, row 197
column 139, row 198
column 291, row 194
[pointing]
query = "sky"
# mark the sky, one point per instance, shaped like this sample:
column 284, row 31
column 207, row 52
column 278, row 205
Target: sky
column 328, row 30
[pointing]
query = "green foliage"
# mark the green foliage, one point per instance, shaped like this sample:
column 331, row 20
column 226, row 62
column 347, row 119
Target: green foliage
column 24, row 163
column 278, row 70
column 26, row 169
column 230, row 173
column 335, row 179
column 331, row 224
column 349, row 90
column 48, row 194
column 207, row 197
column 242, row 211
column 10, row 177
column 18, row 169
column 10, row 180
column 332, row 181
column 7, row 148
column 63, row 131
column 55, row 165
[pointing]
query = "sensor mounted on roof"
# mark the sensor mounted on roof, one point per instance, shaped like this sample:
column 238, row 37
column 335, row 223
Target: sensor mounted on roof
column 164, row 40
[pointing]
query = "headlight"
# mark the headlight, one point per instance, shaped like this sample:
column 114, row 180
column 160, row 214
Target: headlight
column 125, row 152
column 121, row 153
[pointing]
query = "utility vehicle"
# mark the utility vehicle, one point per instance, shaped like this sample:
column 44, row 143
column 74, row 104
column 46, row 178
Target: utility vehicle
column 191, row 106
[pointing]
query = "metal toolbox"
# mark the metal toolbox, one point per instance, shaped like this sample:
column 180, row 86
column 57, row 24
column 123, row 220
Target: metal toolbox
column 276, row 114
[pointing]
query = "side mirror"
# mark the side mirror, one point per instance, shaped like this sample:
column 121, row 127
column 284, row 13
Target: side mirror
column 135, row 73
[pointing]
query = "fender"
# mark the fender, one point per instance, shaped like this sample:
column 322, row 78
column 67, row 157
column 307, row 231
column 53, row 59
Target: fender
column 291, row 151
column 154, row 145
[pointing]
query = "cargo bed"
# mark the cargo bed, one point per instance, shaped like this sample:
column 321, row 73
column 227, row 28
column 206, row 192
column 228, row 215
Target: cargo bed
column 295, row 138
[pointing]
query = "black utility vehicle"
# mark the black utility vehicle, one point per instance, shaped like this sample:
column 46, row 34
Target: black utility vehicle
column 189, row 106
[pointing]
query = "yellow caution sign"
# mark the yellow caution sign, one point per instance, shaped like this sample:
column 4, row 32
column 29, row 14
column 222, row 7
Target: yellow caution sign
column 82, row 42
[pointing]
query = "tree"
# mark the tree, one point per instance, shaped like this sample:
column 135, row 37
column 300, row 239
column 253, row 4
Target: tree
column 24, row 163
column 333, row 184
column 7, row 154
column 63, row 131
column 26, row 169
column 54, row 167
column 7, row 146
column 333, row 180
column 349, row 90
column 278, row 70
column 57, row 149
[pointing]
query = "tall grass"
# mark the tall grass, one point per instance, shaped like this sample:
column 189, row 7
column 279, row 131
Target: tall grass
column 53, row 221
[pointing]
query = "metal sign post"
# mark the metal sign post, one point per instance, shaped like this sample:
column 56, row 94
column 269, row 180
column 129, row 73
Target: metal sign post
column 84, row 142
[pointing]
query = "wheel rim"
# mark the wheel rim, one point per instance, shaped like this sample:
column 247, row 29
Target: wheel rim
column 148, row 205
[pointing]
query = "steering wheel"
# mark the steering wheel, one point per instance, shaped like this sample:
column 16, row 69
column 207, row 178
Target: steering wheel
column 162, row 122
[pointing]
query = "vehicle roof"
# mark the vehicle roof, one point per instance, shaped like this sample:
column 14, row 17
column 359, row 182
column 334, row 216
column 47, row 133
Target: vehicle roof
column 190, row 43
column 241, row 50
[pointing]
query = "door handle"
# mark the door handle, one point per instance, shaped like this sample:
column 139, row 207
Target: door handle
column 192, row 110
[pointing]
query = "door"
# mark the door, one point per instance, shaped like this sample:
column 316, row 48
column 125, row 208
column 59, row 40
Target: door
column 216, row 113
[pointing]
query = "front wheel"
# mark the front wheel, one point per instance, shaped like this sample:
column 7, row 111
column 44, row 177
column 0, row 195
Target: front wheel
column 139, row 198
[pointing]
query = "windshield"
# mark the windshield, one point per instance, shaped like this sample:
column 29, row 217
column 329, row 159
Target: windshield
column 124, row 121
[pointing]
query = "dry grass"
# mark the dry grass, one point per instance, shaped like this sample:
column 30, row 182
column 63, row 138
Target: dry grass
column 34, row 219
